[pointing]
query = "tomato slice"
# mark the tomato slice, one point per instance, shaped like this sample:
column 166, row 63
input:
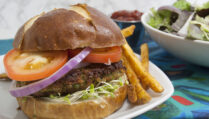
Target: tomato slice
column 29, row 66
column 101, row 55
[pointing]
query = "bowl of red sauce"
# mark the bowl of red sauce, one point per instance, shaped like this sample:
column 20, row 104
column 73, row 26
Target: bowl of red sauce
column 125, row 18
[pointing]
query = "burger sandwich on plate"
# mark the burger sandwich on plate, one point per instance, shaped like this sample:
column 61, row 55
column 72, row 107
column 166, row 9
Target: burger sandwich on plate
column 66, row 64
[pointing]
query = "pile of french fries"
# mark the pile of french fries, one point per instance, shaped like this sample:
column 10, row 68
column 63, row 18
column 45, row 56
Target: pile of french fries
column 138, row 72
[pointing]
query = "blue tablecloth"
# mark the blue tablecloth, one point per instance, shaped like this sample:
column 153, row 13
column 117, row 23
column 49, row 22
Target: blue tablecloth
column 191, row 82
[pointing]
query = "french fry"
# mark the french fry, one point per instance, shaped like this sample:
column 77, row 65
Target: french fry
column 142, row 96
column 140, row 70
column 136, row 64
column 132, row 97
column 145, row 62
column 128, row 31
column 4, row 76
column 145, row 56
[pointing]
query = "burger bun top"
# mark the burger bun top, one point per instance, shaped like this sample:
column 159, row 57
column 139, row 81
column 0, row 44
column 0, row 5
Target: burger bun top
column 61, row 29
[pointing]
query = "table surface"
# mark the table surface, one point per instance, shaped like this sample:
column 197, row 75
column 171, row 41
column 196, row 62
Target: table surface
column 191, row 82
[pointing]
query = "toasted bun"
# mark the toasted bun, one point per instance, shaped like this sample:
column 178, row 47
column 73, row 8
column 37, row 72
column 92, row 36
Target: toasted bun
column 91, row 109
column 62, row 29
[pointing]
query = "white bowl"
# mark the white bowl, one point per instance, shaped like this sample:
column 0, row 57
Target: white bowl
column 194, row 51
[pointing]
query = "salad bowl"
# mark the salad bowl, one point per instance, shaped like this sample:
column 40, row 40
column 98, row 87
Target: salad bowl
column 194, row 51
column 182, row 29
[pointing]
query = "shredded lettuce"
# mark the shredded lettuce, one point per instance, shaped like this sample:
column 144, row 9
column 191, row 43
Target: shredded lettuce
column 183, row 5
column 91, row 88
column 121, row 81
column 92, row 92
column 52, row 96
column 160, row 19
column 66, row 99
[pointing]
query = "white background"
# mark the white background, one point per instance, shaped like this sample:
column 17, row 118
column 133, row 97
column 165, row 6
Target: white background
column 13, row 13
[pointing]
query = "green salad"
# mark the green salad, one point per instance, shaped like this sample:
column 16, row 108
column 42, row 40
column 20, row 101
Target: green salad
column 183, row 19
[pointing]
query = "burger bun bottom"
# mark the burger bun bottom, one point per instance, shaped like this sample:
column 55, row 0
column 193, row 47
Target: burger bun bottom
column 37, row 108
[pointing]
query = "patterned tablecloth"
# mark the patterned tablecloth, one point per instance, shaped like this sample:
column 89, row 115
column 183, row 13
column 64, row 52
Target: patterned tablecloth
column 191, row 82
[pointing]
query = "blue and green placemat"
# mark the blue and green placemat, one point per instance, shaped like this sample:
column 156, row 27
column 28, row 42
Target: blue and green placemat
column 5, row 46
column 191, row 82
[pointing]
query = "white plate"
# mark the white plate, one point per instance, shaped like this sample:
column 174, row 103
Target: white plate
column 8, row 108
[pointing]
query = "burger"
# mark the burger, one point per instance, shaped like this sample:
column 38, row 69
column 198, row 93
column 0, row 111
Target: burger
column 66, row 64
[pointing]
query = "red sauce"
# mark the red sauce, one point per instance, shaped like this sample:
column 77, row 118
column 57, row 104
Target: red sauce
column 125, row 15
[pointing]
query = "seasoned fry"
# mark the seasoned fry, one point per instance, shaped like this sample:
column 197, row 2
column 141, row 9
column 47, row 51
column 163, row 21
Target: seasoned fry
column 128, row 31
column 140, row 70
column 145, row 56
column 145, row 62
column 144, row 51
column 4, row 76
column 142, row 96
column 132, row 97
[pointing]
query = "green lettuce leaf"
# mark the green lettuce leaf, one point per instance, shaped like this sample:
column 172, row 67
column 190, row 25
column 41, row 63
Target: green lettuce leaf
column 199, row 28
column 182, row 5
column 160, row 19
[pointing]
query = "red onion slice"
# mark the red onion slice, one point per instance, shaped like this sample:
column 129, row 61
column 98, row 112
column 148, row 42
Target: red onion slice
column 184, row 30
column 37, row 86
column 170, row 8
column 81, row 65
column 182, row 16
